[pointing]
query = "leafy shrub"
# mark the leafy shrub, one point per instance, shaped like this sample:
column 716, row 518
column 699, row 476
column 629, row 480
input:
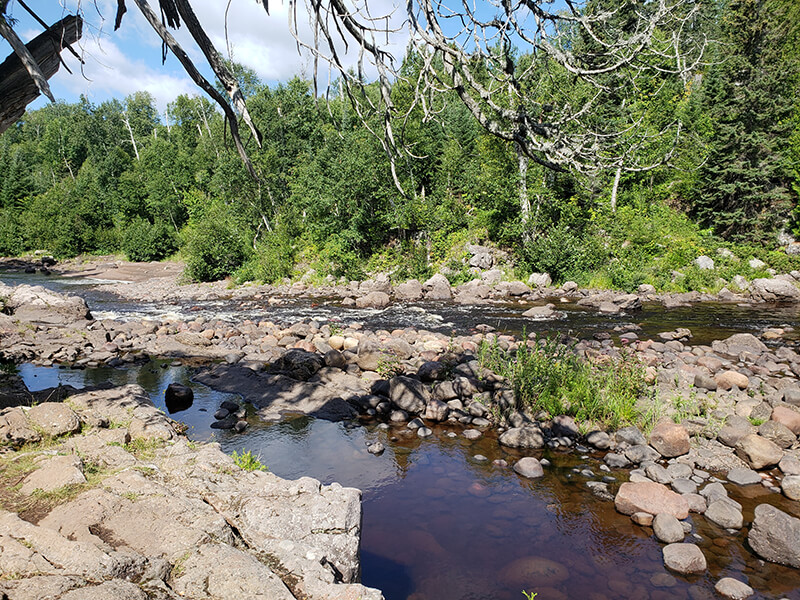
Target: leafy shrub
column 11, row 241
column 273, row 260
column 248, row 461
column 144, row 241
column 562, row 253
column 214, row 246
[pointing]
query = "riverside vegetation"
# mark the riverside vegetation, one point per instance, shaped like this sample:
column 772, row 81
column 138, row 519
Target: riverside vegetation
column 120, row 178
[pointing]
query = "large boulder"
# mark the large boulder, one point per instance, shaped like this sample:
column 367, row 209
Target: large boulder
column 670, row 439
column 54, row 418
column 409, row 291
column 373, row 300
column 299, row 364
column 769, row 290
column 650, row 497
column 775, row 536
column 529, row 467
column 739, row 343
column 39, row 305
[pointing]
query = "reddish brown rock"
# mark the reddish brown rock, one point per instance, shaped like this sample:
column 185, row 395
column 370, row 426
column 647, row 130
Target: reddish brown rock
column 670, row 439
column 727, row 379
column 650, row 497
column 788, row 417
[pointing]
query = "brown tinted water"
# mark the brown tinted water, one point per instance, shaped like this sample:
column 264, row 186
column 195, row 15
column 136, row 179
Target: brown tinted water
column 440, row 524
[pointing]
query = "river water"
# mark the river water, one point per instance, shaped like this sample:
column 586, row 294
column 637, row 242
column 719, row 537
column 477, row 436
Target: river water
column 441, row 523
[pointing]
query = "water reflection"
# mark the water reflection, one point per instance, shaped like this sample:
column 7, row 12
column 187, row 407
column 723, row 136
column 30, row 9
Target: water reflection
column 440, row 525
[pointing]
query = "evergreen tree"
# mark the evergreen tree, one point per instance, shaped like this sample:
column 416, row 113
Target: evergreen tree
column 745, row 184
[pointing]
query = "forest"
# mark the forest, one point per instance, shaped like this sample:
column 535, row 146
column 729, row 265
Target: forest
column 722, row 177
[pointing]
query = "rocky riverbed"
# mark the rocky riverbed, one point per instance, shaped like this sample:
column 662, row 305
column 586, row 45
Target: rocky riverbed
column 730, row 408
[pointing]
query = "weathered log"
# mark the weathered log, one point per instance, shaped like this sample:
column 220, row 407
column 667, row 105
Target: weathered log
column 17, row 87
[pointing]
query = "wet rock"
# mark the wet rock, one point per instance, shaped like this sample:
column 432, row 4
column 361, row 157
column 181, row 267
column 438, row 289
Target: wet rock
column 600, row 490
column 650, row 497
column 641, row 453
column 409, row 394
column 54, row 418
column 790, row 486
column 221, row 413
column 643, row 519
column 529, row 467
column 697, row 504
column 616, row 461
column 424, row 432
column 534, row 572
column 726, row 513
column 472, row 434
column 228, row 422
column 667, row 528
column 377, row 448
column 775, row 536
column 728, row 587
column 741, row 476
column 684, row 558
column 527, row 436
column 759, row 452
column 541, row 313
column 240, row 426
column 670, row 439
column 178, row 397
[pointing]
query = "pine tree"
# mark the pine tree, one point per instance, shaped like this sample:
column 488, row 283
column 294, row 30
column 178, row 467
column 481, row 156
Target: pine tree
column 745, row 190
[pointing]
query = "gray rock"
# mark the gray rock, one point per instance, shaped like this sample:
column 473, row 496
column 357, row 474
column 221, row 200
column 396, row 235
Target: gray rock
column 424, row 432
column 734, row 589
column 789, row 465
column 373, row 300
column 743, row 476
column 775, row 536
column 527, row 436
column 630, row 435
column 684, row 558
column 758, row 451
column 697, row 504
column 774, row 289
column 599, row 439
column 726, row 513
column 529, row 467
column 777, row 433
column 679, row 470
column 540, row 280
column 658, row 474
column 376, row 448
column 704, row 382
column 705, row 263
column 714, row 491
column 641, row 453
column 616, row 461
column 54, row 418
column 410, row 290
column 790, row 486
column 667, row 528
column 408, row 394
column 684, row 486
column 54, row 473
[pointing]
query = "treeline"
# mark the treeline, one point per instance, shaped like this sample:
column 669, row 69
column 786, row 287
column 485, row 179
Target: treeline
column 120, row 177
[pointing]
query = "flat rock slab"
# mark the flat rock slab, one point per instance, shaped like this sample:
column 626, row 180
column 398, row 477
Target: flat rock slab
column 743, row 476
column 278, row 394
column 650, row 497
column 758, row 451
column 54, row 473
column 54, row 418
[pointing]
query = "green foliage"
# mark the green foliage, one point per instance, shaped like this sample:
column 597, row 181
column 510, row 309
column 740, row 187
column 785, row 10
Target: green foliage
column 145, row 241
column 547, row 375
column 248, row 461
column 562, row 253
column 214, row 247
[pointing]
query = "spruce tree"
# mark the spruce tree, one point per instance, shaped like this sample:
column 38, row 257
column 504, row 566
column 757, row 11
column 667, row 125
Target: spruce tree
column 745, row 190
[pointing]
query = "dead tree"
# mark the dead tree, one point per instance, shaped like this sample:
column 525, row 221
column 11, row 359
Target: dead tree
column 24, row 74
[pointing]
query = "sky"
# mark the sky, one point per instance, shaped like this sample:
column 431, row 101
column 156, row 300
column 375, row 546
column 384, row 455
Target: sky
column 119, row 63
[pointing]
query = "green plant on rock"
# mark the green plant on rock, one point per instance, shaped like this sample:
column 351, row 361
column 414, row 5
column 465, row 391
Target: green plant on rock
column 248, row 461
column 389, row 366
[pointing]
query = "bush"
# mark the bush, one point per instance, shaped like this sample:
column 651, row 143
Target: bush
column 11, row 242
column 273, row 260
column 143, row 241
column 562, row 253
column 214, row 247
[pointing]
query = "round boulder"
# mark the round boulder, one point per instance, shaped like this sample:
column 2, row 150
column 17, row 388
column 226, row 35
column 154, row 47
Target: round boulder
column 529, row 467
column 684, row 558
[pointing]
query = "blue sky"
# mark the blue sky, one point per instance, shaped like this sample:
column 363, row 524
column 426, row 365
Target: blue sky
column 119, row 63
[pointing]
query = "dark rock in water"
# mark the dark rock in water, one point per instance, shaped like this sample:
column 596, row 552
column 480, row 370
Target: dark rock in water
column 228, row 422
column 528, row 436
column 240, row 426
column 229, row 406
column 30, row 270
column 221, row 413
column 630, row 435
column 178, row 397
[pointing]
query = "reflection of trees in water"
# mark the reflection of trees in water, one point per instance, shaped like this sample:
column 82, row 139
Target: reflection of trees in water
column 103, row 376
column 298, row 427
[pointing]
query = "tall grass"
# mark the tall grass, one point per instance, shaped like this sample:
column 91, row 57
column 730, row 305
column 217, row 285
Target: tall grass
column 549, row 376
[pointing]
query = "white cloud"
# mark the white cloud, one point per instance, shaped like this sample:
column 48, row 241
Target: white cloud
column 121, row 62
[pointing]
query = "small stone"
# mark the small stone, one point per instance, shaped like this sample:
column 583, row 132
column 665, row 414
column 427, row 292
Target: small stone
column 616, row 461
column 240, row 426
column 377, row 448
column 684, row 486
column 642, row 518
column 697, row 504
column 729, row 379
column 789, row 465
column 599, row 439
column 725, row 513
column 790, row 486
column 684, row 558
column 424, row 432
column 667, row 528
column 733, row 589
column 670, row 439
column 221, row 413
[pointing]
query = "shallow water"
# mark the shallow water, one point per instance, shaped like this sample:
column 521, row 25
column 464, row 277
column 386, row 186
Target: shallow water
column 708, row 321
column 441, row 525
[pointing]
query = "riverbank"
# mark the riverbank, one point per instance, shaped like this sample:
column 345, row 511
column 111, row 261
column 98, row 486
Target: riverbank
column 716, row 415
